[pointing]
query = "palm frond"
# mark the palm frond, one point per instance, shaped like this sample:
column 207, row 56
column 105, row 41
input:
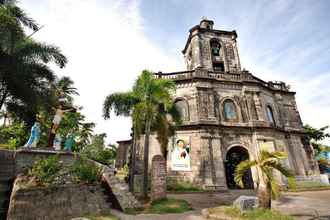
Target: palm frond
column 241, row 169
column 277, row 165
column 22, row 17
column 30, row 49
column 121, row 103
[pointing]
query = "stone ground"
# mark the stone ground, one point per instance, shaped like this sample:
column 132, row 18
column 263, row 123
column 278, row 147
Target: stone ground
column 302, row 205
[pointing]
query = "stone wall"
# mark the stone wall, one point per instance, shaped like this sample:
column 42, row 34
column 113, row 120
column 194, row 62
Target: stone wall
column 204, row 89
column 56, row 202
column 25, row 159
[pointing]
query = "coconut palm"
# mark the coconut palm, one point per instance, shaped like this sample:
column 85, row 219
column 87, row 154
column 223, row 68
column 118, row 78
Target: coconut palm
column 24, row 75
column 147, row 104
column 266, row 164
column 64, row 85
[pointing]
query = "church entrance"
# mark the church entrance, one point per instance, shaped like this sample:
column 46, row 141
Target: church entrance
column 234, row 156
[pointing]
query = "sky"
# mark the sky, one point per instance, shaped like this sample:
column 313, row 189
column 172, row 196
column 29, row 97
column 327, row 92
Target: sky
column 109, row 42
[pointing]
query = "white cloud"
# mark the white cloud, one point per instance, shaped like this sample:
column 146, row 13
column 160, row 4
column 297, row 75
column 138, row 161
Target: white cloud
column 106, row 50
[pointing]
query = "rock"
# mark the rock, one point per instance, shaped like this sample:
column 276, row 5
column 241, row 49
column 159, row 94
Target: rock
column 246, row 202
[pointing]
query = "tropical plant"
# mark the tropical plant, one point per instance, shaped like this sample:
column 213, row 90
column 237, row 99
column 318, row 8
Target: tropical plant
column 147, row 103
column 46, row 170
column 85, row 171
column 13, row 136
column 25, row 77
column 266, row 164
column 65, row 85
column 314, row 136
column 97, row 150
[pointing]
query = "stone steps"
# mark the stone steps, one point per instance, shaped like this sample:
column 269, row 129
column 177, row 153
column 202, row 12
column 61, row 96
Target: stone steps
column 118, row 193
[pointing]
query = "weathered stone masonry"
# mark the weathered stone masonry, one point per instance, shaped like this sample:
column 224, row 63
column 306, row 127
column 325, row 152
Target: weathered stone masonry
column 223, row 107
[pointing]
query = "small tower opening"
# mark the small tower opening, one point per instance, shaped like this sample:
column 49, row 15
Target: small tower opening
column 215, row 47
column 217, row 61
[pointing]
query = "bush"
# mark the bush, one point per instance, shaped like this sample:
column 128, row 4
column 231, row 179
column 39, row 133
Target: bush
column 169, row 205
column 13, row 136
column 85, row 171
column 46, row 170
column 162, row 206
column 105, row 156
column 255, row 214
column 182, row 186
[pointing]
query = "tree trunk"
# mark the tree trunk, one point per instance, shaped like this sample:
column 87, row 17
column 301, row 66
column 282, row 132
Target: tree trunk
column 3, row 98
column 264, row 194
column 132, row 167
column 146, row 158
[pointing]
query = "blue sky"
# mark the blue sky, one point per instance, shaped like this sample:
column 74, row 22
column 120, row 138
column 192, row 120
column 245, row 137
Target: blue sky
column 282, row 40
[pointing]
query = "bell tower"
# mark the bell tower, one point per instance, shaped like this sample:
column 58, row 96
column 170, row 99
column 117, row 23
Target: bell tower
column 214, row 50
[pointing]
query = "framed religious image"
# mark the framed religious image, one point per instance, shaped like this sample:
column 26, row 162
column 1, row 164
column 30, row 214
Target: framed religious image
column 180, row 155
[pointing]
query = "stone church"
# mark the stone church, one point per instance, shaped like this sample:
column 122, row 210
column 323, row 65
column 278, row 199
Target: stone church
column 228, row 115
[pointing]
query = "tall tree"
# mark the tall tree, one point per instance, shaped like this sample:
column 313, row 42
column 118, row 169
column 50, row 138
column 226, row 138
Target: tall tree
column 314, row 136
column 24, row 75
column 143, row 103
column 266, row 164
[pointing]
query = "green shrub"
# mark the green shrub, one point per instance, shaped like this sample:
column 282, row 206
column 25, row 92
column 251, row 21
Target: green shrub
column 169, row 205
column 84, row 171
column 13, row 136
column 182, row 186
column 256, row 214
column 46, row 170
column 162, row 206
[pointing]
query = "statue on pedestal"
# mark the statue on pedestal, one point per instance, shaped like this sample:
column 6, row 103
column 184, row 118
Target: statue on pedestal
column 69, row 142
column 59, row 112
column 34, row 137
column 57, row 142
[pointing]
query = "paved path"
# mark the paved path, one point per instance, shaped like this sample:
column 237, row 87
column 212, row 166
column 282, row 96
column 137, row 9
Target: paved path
column 302, row 205
column 306, row 205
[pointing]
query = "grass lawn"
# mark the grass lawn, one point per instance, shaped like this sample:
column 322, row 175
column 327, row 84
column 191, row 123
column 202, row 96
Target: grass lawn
column 183, row 187
column 162, row 206
column 254, row 214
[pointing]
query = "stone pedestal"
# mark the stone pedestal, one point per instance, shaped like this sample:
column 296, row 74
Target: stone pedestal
column 158, row 178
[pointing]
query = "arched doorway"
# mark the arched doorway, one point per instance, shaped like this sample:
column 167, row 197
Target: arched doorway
column 234, row 156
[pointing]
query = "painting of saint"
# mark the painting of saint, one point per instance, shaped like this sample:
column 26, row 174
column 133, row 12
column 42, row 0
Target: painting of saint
column 180, row 158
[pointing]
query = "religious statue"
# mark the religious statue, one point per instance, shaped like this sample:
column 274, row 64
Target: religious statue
column 57, row 142
column 69, row 142
column 34, row 137
column 59, row 112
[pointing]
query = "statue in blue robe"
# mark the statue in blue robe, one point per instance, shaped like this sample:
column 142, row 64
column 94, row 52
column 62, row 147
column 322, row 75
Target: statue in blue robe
column 34, row 137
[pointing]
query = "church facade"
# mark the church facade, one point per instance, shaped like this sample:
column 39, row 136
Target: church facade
column 228, row 115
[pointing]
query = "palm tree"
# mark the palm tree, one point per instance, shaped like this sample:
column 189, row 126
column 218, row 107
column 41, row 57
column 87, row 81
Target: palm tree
column 85, row 133
column 147, row 103
column 65, row 86
column 24, row 75
column 266, row 164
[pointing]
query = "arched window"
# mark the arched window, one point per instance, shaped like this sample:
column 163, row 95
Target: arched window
column 182, row 107
column 270, row 115
column 229, row 110
column 215, row 47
